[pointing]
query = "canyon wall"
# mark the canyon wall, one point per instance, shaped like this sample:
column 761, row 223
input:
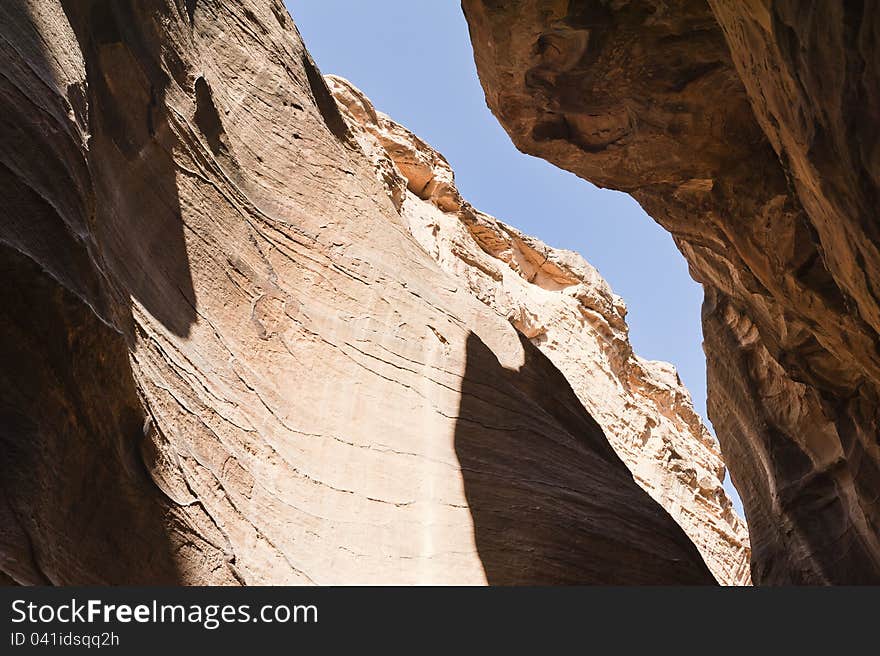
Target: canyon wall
column 565, row 308
column 750, row 131
column 227, row 360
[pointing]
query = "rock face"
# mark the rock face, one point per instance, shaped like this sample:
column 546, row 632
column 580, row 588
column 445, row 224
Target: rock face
column 225, row 358
column 567, row 310
column 750, row 131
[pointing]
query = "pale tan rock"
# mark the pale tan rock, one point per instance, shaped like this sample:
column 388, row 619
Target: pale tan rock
column 562, row 304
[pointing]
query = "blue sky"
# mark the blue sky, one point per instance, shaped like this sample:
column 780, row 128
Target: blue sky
column 413, row 59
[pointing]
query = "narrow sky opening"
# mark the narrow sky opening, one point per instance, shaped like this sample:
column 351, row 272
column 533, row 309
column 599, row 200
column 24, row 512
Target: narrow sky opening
column 414, row 61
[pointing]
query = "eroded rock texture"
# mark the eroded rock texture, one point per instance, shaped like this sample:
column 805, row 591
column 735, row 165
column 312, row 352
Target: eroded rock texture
column 750, row 131
column 225, row 358
column 567, row 310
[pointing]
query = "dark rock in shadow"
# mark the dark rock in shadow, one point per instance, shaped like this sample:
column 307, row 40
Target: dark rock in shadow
column 137, row 222
column 92, row 219
column 551, row 501
column 76, row 504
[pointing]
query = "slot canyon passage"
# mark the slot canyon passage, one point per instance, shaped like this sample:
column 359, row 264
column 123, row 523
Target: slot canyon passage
column 252, row 333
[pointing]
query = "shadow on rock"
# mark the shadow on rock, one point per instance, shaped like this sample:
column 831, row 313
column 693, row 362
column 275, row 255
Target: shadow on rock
column 551, row 502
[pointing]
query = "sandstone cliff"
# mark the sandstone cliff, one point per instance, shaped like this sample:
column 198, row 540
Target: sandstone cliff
column 749, row 131
column 226, row 359
column 567, row 310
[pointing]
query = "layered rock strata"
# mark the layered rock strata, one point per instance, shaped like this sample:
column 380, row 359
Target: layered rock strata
column 565, row 308
column 226, row 359
column 749, row 131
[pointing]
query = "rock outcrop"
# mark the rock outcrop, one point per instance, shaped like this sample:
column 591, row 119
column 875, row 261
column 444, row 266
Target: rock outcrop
column 225, row 358
column 750, row 131
column 567, row 310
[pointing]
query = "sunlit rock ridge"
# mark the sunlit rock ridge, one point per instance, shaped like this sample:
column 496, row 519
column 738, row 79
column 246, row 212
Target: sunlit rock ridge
column 565, row 308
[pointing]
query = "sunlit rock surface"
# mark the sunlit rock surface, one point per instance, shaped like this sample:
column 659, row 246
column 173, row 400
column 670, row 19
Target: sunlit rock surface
column 567, row 310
